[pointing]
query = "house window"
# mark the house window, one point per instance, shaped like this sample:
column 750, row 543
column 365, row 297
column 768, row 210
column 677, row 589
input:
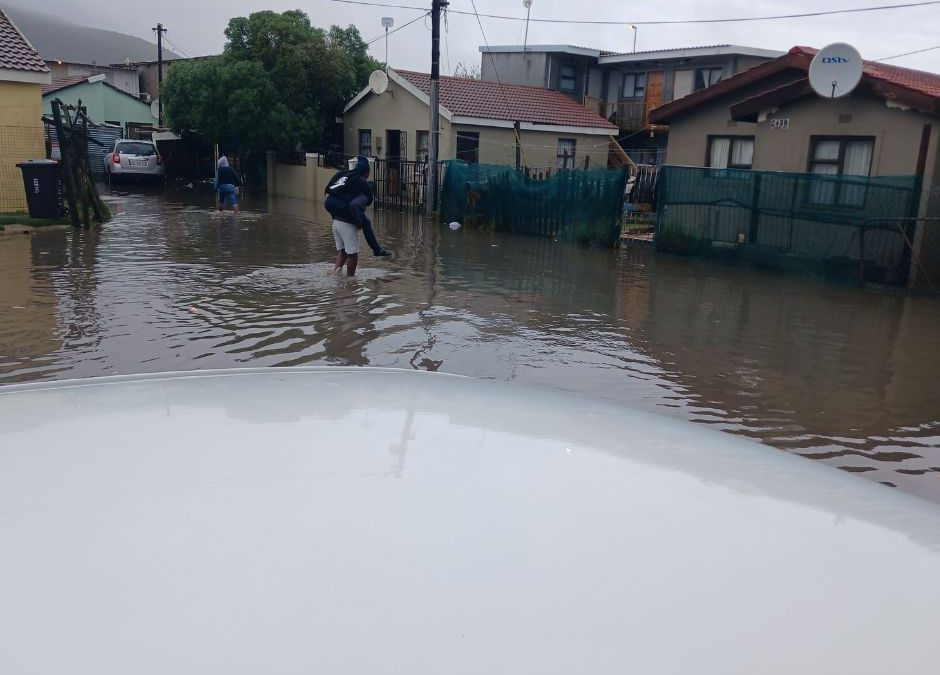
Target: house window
column 468, row 146
column 564, row 157
column 634, row 85
column 424, row 140
column 839, row 156
column 569, row 78
column 706, row 77
column 365, row 142
column 730, row 152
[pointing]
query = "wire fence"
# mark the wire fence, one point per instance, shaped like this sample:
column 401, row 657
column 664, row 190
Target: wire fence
column 811, row 221
column 17, row 144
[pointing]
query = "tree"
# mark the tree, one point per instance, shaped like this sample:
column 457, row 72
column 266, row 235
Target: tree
column 470, row 72
column 278, row 85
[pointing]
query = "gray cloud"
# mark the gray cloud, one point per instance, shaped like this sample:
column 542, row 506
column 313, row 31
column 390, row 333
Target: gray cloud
column 197, row 27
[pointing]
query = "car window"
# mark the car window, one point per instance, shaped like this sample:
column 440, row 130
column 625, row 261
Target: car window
column 145, row 149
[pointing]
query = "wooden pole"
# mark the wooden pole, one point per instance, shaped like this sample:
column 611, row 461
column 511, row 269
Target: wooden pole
column 65, row 161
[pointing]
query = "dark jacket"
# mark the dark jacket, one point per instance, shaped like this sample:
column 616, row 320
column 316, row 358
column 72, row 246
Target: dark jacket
column 227, row 176
column 344, row 187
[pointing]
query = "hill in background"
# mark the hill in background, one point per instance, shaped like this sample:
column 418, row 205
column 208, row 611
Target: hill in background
column 58, row 39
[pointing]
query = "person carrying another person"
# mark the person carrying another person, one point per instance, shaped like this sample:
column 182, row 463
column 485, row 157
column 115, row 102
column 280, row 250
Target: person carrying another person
column 348, row 194
column 227, row 182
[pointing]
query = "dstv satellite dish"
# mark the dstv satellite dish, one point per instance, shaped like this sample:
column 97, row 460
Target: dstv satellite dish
column 836, row 70
column 378, row 82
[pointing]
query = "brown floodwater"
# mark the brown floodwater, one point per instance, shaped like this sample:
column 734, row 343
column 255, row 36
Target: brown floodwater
column 844, row 375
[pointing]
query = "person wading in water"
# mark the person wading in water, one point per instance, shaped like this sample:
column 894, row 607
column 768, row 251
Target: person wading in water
column 227, row 182
column 348, row 193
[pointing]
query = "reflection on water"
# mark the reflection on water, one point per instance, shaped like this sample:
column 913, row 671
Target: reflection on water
column 843, row 375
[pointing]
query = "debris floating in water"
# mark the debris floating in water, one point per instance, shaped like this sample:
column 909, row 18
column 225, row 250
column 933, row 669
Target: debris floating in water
column 455, row 225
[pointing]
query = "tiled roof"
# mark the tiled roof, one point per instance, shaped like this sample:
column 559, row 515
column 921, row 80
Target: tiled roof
column 916, row 80
column 916, row 88
column 510, row 102
column 15, row 52
column 63, row 83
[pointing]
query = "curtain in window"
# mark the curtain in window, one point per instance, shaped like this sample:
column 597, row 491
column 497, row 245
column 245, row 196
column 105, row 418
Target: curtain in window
column 826, row 150
column 857, row 158
column 857, row 163
column 718, row 157
column 823, row 191
column 742, row 152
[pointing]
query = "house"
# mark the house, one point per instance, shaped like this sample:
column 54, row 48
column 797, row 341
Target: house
column 477, row 124
column 106, row 103
column 622, row 87
column 123, row 77
column 149, row 76
column 768, row 118
column 22, row 75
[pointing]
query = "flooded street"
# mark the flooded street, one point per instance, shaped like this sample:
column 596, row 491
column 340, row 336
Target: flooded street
column 847, row 376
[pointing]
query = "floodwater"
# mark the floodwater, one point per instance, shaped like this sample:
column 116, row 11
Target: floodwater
column 847, row 376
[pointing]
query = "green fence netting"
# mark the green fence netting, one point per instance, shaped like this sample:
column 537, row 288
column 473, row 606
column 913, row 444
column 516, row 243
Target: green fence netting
column 811, row 217
column 575, row 205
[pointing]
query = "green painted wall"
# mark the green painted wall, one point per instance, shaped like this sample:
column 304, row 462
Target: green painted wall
column 104, row 103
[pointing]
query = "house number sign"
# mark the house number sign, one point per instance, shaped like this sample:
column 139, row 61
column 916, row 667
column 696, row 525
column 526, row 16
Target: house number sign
column 781, row 123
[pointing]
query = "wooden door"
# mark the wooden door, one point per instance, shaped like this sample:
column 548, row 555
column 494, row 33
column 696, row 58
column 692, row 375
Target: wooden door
column 655, row 92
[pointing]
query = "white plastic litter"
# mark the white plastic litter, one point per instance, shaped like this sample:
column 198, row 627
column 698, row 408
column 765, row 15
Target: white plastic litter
column 455, row 225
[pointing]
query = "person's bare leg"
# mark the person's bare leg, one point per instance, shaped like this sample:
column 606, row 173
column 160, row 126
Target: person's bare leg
column 341, row 259
column 235, row 209
column 351, row 264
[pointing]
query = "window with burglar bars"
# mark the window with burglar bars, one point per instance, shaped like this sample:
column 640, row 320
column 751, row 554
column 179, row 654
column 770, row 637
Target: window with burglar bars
column 565, row 155
column 839, row 156
column 468, row 146
column 424, row 141
column 730, row 152
column 365, row 142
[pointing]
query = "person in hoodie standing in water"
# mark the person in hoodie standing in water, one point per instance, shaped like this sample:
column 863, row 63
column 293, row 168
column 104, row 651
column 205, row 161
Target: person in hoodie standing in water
column 227, row 182
column 348, row 193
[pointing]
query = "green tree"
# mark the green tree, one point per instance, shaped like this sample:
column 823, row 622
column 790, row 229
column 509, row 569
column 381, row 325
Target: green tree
column 278, row 85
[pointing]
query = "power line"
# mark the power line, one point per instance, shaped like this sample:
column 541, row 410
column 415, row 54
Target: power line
column 660, row 22
column 176, row 47
column 919, row 51
column 392, row 32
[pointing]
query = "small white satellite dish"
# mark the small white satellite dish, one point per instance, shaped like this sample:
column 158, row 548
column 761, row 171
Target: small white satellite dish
column 155, row 108
column 378, row 82
column 388, row 22
column 836, row 70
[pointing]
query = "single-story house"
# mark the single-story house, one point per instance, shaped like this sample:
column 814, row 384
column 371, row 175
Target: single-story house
column 768, row 118
column 477, row 124
column 22, row 75
column 106, row 104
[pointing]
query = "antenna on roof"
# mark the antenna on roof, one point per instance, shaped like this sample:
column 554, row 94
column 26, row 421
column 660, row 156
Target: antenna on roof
column 835, row 70
column 528, row 9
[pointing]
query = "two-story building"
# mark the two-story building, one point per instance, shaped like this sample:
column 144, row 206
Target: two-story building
column 622, row 88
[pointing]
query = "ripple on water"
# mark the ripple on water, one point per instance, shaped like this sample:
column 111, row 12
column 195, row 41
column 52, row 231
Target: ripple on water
column 843, row 375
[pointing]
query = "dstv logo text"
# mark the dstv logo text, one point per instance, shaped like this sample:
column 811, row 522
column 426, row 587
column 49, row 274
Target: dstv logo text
column 835, row 59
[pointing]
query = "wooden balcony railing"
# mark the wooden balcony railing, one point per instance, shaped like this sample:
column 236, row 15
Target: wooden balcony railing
column 628, row 115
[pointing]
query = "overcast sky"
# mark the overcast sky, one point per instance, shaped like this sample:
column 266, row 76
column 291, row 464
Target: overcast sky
column 196, row 26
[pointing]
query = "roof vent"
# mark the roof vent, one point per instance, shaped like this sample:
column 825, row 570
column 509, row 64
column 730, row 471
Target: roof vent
column 845, row 118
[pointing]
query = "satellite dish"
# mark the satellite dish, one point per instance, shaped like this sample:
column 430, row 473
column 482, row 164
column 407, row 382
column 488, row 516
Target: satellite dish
column 378, row 82
column 155, row 108
column 836, row 70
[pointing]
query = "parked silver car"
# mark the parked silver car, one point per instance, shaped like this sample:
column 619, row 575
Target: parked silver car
column 138, row 159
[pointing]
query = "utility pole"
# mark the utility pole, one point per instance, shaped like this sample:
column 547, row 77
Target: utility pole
column 160, row 31
column 435, row 126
